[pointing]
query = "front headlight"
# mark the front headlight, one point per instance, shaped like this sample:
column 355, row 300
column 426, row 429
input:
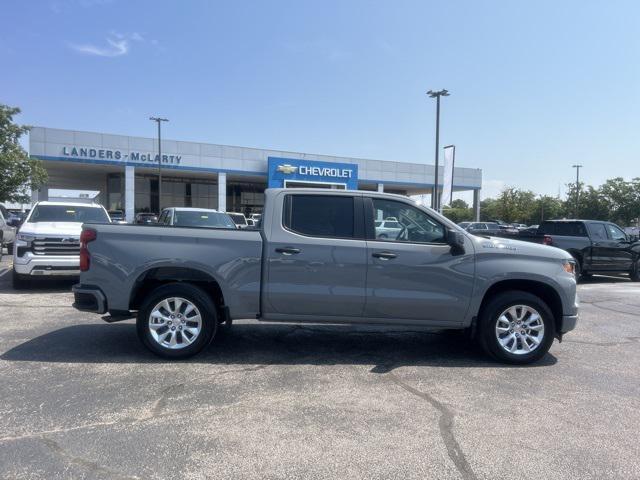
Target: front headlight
column 569, row 266
column 25, row 237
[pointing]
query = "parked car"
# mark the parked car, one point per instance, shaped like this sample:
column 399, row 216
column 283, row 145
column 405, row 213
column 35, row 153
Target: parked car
column 388, row 228
column 488, row 228
column 117, row 216
column 597, row 246
column 195, row 217
column 48, row 242
column 8, row 229
column 239, row 219
column 316, row 259
column 145, row 218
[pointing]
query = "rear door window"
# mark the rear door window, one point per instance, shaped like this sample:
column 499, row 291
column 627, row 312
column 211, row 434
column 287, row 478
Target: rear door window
column 320, row 215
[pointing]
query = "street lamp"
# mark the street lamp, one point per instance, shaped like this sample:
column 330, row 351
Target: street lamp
column 437, row 95
column 159, row 120
column 577, row 167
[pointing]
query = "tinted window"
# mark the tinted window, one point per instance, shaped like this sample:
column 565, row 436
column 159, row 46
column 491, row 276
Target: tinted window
column 415, row 225
column 566, row 229
column 320, row 215
column 597, row 231
column 190, row 218
column 615, row 233
column 68, row 213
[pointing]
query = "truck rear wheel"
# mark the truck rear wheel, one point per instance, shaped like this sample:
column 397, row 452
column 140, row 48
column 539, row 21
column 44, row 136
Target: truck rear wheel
column 177, row 320
column 516, row 327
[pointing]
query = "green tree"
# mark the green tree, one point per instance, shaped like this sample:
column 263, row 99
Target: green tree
column 623, row 199
column 18, row 172
column 545, row 208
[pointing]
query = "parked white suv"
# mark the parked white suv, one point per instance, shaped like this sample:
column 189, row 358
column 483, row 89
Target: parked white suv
column 48, row 242
column 7, row 231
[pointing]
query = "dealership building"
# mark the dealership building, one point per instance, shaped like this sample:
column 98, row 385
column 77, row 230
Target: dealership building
column 125, row 170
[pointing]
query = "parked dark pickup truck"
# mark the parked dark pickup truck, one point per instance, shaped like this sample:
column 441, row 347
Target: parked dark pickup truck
column 318, row 258
column 597, row 246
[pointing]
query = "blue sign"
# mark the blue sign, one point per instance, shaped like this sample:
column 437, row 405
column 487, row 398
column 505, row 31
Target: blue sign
column 283, row 171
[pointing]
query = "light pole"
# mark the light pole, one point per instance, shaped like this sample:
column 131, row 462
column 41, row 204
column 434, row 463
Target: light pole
column 437, row 95
column 159, row 120
column 577, row 167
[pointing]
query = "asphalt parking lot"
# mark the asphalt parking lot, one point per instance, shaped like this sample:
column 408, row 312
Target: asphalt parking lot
column 80, row 398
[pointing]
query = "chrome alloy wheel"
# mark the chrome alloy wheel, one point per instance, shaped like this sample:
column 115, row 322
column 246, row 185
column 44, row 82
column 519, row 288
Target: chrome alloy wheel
column 175, row 323
column 520, row 329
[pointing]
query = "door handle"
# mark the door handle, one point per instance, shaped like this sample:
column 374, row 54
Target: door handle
column 288, row 250
column 597, row 244
column 384, row 255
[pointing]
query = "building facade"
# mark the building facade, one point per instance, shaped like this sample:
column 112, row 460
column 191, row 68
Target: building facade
column 228, row 178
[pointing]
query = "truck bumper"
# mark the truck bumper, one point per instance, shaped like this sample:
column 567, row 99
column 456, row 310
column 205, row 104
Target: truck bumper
column 89, row 299
column 568, row 323
column 40, row 265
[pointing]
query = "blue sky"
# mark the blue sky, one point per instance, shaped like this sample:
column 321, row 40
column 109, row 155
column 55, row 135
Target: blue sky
column 536, row 86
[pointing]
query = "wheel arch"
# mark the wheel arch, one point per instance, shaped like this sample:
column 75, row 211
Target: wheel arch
column 155, row 277
column 544, row 291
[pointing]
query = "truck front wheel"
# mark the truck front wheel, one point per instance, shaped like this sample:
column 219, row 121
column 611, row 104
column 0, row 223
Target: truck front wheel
column 516, row 327
column 177, row 320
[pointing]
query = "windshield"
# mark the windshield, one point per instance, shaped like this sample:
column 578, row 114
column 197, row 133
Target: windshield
column 203, row 219
column 68, row 213
column 238, row 219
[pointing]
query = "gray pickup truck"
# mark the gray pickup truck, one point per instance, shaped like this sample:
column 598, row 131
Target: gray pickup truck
column 317, row 258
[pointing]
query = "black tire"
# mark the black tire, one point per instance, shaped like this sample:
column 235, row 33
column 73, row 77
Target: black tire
column 578, row 269
column 383, row 235
column 489, row 319
column 9, row 249
column 635, row 272
column 191, row 293
column 20, row 282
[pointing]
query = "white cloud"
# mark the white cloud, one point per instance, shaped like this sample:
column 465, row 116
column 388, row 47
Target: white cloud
column 117, row 44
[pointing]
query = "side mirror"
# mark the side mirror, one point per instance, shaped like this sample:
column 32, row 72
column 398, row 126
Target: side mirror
column 455, row 240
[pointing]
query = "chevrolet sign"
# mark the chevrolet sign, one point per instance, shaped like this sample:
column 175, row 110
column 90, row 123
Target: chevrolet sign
column 282, row 170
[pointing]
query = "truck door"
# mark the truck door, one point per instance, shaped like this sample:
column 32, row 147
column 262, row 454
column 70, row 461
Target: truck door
column 600, row 252
column 316, row 256
column 618, row 248
column 415, row 276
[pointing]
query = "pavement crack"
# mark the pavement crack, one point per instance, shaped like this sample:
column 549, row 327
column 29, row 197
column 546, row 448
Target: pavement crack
column 445, row 424
column 609, row 309
column 93, row 467
column 160, row 404
column 605, row 344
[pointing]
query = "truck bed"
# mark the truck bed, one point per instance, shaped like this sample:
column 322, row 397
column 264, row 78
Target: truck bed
column 124, row 255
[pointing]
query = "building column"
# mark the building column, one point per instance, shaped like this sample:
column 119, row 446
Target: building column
column 381, row 187
column 130, row 193
column 222, row 192
column 476, row 205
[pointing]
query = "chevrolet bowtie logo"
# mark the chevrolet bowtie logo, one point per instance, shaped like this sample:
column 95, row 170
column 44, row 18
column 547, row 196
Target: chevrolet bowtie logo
column 286, row 168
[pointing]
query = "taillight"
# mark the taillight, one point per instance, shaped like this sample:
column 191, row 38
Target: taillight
column 547, row 240
column 86, row 236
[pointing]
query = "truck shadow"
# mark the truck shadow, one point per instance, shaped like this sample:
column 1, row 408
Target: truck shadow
column 384, row 348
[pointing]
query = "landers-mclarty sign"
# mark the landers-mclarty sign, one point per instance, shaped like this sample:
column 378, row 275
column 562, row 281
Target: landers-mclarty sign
column 109, row 154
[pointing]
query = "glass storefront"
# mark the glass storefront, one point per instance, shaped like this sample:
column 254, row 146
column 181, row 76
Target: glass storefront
column 176, row 192
column 245, row 197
